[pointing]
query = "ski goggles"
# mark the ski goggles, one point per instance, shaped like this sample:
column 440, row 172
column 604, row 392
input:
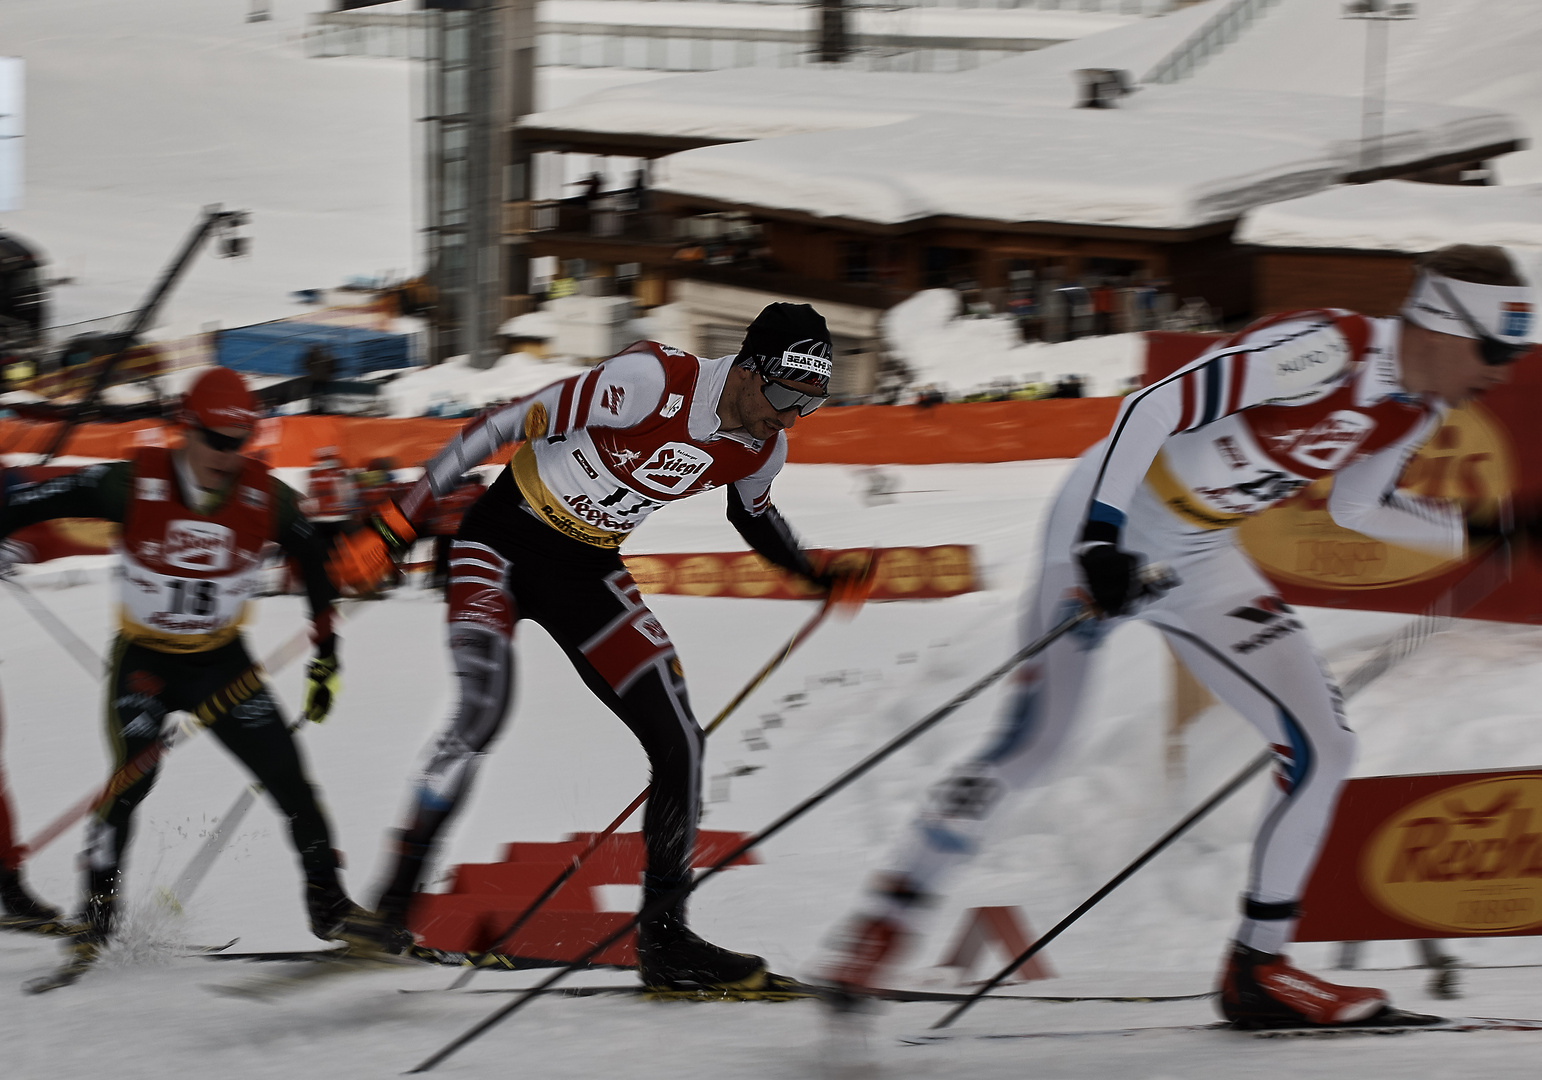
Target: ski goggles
column 783, row 398
column 1434, row 305
column 224, row 444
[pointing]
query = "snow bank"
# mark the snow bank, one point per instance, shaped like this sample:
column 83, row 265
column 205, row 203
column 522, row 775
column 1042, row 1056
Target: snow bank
column 456, row 383
column 964, row 354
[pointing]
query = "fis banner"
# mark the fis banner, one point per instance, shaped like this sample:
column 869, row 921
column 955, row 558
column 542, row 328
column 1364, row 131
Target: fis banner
column 906, row 573
column 1453, row 855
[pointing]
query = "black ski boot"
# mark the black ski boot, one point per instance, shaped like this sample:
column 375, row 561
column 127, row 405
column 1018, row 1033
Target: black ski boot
column 670, row 956
column 334, row 917
column 402, row 885
column 20, row 906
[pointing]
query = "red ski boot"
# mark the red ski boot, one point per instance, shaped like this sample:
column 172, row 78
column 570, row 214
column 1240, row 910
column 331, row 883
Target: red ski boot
column 866, row 947
column 1263, row 990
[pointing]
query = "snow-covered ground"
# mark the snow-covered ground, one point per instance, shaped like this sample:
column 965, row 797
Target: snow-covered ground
column 1467, row 702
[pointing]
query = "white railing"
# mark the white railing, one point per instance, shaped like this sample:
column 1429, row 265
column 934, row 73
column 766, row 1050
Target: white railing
column 1218, row 32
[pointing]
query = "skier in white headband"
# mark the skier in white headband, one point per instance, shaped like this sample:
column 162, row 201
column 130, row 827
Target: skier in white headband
column 1291, row 399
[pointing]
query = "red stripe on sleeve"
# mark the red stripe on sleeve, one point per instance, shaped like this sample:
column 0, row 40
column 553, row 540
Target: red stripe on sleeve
column 585, row 396
column 1237, row 363
column 559, row 423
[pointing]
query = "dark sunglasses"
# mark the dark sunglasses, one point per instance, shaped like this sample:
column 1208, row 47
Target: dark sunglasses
column 783, row 398
column 225, row 444
column 1491, row 350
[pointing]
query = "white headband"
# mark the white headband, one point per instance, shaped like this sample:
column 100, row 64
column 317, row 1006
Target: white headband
column 819, row 366
column 1500, row 311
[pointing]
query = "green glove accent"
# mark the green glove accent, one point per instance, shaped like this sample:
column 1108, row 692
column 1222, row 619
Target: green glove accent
column 321, row 687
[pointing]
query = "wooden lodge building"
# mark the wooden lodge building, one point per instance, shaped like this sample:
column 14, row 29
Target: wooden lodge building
column 761, row 192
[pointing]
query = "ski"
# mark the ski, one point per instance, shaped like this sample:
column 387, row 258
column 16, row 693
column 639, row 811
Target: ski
column 208, row 950
column 773, row 988
column 421, row 953
column 316, row 968
column 1394, row 1022
column 81, row 958
column 52, row 926
column 899, row 996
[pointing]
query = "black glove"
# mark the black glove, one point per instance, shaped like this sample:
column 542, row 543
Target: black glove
column 321, row 680
column 1110, row 576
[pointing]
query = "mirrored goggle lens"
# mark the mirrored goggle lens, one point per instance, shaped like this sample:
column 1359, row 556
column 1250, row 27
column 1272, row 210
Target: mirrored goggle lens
column 223, row 443
column 783, row 398
column 1496, row 353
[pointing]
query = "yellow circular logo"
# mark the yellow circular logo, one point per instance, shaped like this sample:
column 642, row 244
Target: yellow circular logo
column 1466, row 860
column 1469, row 459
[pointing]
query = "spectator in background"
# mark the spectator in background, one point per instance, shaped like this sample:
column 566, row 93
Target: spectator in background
column 333, row 498
column 320, row 370
column 1103, row 301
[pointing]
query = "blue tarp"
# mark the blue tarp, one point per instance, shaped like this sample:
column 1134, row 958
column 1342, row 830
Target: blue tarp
column 279, row 348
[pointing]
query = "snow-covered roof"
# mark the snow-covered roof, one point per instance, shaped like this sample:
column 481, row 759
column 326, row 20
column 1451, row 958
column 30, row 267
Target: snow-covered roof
column 1005, row 143
column 1020, row 23
column 1397, row 215
column 1172, row 157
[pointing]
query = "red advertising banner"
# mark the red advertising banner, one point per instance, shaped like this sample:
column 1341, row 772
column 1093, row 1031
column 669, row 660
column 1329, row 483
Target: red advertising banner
column 1484, row 452
column 1431, row 856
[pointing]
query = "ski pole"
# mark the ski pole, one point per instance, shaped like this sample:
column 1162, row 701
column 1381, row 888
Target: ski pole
column 146, row 759
column 72, row 642
column 198, row 866
column 1460, row 598
column 562, row 878
column 668, row 900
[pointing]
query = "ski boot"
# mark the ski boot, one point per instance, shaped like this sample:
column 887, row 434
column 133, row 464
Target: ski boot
column 671, row 957
column 402, row 884
column 864, row 948
column 23, row 911
column 869, row 944
column 334, row 917
column 1264, row 990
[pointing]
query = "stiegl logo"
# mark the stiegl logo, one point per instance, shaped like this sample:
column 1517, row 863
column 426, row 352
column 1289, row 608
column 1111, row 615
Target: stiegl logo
column 1466, row 859
column 198, row 545
column 1333, row 439
column 672, row 467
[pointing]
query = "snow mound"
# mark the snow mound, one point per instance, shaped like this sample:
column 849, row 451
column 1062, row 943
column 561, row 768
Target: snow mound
column 964, row 354
column 456, row 383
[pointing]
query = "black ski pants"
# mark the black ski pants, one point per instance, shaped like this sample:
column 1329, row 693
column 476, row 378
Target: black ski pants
column 590, row 605
column 226, row 691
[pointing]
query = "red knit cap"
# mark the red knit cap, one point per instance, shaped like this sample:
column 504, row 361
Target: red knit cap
column 219, row 398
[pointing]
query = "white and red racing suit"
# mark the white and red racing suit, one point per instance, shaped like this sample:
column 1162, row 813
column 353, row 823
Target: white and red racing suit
column 602, row 451
column 1288, row 400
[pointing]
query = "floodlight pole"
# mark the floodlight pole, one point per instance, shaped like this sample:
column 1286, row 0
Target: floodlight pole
column 1377, row 14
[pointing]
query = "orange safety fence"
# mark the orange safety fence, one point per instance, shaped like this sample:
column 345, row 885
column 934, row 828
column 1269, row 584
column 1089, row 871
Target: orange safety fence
column 983, row 431
column 859, row 435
